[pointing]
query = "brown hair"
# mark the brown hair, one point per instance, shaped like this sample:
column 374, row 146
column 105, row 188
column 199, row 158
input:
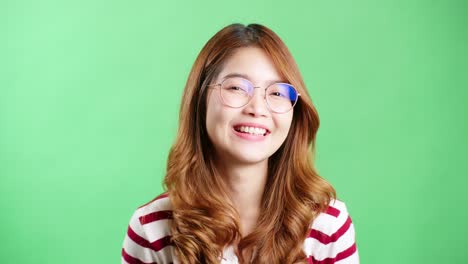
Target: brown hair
column 204, row 218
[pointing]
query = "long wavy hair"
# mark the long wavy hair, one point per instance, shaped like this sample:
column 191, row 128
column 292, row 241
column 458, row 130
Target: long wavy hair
column 204, row 218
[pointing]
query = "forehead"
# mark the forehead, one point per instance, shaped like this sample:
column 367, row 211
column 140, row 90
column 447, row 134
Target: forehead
column 253, row 63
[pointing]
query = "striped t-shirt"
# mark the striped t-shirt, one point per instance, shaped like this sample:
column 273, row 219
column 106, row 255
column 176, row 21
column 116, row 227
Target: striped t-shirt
column 331, row 237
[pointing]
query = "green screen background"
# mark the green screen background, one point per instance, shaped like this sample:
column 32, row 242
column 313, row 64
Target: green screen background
column 89, row 100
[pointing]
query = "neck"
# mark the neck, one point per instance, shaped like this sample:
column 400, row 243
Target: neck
column 246, row 184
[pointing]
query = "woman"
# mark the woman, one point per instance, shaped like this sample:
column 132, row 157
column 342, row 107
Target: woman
column 241, row 186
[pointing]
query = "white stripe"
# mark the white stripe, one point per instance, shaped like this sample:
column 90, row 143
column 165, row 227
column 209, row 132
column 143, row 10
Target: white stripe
column 165, row 255
column 327, row 224
column 157, row 229
column 161, row 204
column 139, row 252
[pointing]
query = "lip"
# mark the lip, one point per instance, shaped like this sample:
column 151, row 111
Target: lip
column 250, row 137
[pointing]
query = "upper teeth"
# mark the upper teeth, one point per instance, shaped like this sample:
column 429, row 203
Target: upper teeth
column 252, row 130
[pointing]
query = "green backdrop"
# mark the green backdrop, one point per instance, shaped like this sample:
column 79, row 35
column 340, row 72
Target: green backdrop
column 89, row 100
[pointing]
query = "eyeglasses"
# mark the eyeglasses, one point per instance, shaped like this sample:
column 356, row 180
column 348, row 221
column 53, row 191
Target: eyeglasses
column 236, row 92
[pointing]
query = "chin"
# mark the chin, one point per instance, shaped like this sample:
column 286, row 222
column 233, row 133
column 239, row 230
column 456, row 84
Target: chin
column 251, row 159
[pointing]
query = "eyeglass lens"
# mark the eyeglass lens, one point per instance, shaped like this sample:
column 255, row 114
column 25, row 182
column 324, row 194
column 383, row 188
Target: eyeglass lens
column 280, row 97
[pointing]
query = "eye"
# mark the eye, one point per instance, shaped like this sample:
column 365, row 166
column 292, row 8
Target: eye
column 235, row 88
column 278, row 94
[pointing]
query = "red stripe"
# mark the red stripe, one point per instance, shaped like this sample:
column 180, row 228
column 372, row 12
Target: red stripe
column 155, row 216
column 164, row 195
column 161, row 243
column 137, row 239
column 346, row 253
column 156, row 245
column 326, row 239
column 131, row 260
column 332, row 211
column 340, row 256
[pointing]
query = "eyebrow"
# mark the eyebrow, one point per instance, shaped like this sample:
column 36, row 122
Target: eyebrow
column 245, row 76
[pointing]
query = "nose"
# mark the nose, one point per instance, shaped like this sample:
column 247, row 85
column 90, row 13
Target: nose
column 257, row 105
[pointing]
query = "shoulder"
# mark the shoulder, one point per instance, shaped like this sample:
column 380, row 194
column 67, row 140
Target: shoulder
column 157, row 206
column 154, row 216
column 332, row 237
column 333, row 218
column 148, row 234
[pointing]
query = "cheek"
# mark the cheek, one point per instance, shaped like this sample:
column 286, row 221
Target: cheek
column 215, row 114
column 213, row 103
column 284, row 122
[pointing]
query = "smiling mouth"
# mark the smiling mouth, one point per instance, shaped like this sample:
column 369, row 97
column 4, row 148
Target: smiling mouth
column 252, row 130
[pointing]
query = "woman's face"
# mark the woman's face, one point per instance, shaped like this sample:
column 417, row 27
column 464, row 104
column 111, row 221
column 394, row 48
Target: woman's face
column 232, row 130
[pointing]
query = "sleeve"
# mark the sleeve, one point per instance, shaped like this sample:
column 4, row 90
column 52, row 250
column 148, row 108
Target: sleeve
column 332, row 238
column 136, row 247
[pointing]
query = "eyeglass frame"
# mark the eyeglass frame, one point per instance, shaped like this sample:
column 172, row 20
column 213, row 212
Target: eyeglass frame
column 251, row 96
